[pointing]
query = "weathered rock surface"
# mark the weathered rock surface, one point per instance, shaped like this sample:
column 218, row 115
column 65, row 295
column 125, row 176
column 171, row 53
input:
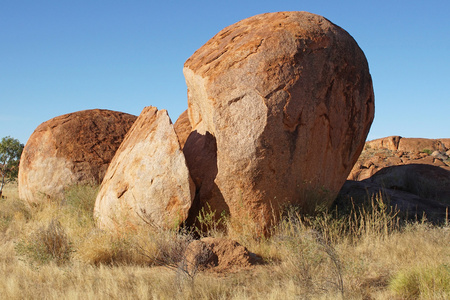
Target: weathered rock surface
column 287, row 100
column 147, row 182
column 395, row 150
column 75, row 148
column 414, row 189
column 183, row 128
column 217, row 254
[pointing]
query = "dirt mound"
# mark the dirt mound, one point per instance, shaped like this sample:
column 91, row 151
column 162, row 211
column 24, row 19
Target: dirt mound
column 217, row 255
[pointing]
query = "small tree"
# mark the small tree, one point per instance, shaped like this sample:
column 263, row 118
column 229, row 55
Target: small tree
column 10, row 152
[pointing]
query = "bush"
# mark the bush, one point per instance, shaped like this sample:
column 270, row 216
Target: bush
column 209, row 223
column 47, row 244
column 427, row 151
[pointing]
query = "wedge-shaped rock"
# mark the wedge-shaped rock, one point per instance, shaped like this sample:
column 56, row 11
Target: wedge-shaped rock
column 183, row 128
column 287, row 100
column 75, row 148
column 147, row 182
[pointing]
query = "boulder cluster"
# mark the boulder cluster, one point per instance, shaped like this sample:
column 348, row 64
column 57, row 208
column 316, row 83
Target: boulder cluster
column 395, row 150
column 279, row 107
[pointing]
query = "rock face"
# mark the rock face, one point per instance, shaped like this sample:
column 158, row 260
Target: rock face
column 395, row 151
column 70, row 149
column 280, row 105
column 183, row 128
column 147, row 182
column 389, row 143
column 418, row 145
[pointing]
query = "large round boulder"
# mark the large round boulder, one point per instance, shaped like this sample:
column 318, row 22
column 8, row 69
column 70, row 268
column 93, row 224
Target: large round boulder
column 75, row 148
column 285, row 100
column 147, row 182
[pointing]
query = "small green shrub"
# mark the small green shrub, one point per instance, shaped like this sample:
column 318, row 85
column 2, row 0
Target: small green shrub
column 427, row 151
column 422, row 283
column 209, row 222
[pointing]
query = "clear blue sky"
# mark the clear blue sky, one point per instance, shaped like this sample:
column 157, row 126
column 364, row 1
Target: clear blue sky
column 62, row 56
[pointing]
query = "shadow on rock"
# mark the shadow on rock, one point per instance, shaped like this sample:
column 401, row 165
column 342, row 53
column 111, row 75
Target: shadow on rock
column 416, row 190
column 200, row 151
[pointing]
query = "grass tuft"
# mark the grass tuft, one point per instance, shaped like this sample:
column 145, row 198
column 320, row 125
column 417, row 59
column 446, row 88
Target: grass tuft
column 422, row 282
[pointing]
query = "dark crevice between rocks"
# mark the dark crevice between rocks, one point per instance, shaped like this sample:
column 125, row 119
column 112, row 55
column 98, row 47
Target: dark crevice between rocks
column 200, row 152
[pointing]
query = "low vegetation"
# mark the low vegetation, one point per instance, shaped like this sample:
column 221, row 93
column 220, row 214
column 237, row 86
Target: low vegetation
column 54, row 251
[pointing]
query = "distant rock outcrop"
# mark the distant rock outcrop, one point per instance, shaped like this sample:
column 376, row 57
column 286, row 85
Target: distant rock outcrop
column 395, row 150
column 389, row 143
column 147, row 182
column 75, row 148
column 398, row 143
column 280, row 105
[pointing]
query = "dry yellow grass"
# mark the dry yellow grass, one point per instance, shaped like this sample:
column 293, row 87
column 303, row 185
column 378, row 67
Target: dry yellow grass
column 366, row 255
